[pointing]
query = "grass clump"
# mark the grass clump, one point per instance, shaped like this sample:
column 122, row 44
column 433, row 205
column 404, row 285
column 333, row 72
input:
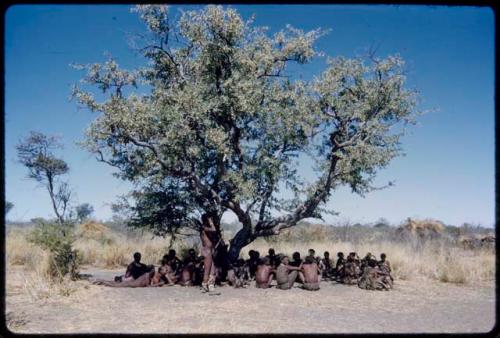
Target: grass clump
column 57, row 240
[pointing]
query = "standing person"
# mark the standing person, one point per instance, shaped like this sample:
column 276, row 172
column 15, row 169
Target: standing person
column 209, row 239
column 311, row 274
column 286, row 274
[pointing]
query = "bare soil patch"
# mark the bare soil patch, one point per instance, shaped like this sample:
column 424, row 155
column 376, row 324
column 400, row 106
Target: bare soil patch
column 413, row 306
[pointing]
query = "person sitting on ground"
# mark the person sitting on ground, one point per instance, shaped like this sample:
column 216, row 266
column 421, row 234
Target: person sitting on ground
column 186, row 276
column 273, row 259
column 326, row 265
column 287, row 274
column 339, row 266
column 384, row 263
column 252, row 262
column 169, row 277
column 385, row 266
column 172, row 260
column 357, row 262
column 297, row 261
column 190, row 258
column 135, row 269
column 238, row 274
column 365, row 260
column 311, row 253
column 150, row 278
column 187, row 269
column 264, row 273
column 198, row 270
column 311, row 274
column 351, row 272
column 373, row 279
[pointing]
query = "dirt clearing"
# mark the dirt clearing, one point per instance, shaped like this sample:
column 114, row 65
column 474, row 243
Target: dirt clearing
column 413, row 306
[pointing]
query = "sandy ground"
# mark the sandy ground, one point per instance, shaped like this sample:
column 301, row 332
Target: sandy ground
column 413, row 306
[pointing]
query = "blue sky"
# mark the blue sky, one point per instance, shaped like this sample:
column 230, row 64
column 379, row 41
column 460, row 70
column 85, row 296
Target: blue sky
column 448, row 170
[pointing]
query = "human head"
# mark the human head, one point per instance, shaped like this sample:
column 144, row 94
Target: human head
column 368, row 255
column 171, row 253
column 340, row 254
column 165, row 259
column 257, row 254
column 296, row 256
column 137, row 257
column 284, row 260
column 240, row 262
column 266, row 261
column 326, row 254
column 162, row 270
column 191, row 252
column 271, row 252
column 309, row 259
column 382, row 256
column 312, row 252
column 352, row 254
column 251, row 253
column 372, row 263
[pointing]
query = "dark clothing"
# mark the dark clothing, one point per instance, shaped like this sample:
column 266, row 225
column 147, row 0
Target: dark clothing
column 274, row 260
column 296, row 263
column 252, row 266
column 339, row 266
column 136, row 270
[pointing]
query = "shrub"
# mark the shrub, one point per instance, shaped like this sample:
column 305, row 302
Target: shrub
column 58, row 240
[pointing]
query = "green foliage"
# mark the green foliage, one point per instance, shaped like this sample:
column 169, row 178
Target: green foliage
column 58, row 241
column 214, row 122
column 35, row 152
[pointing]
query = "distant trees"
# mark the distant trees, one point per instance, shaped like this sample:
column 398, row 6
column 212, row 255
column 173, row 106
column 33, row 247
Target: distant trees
column 83, row 211
column 35, row 152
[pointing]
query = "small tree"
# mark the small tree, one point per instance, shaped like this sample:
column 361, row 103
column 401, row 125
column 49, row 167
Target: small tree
column 84, row 211
column 220, row 123
column 35, row 152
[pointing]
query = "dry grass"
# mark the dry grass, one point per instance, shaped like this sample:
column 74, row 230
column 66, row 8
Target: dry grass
column 433, row 260
column 101, row 247
column 117, row 250
column 38, row 273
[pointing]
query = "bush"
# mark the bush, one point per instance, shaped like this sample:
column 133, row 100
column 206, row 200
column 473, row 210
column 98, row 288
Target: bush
column 58, row 240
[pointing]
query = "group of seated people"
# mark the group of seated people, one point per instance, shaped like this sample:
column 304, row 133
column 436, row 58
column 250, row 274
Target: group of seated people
column 368, row 273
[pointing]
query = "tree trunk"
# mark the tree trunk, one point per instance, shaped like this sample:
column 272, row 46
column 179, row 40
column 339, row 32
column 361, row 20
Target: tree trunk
column 242, row 238
column 50, row 188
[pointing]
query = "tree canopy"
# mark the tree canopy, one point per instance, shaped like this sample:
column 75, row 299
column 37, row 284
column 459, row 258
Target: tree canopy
column 36, row 153
column 214, row 123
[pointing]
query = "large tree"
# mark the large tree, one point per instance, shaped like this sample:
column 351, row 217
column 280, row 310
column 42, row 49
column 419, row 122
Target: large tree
column 215, row 123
